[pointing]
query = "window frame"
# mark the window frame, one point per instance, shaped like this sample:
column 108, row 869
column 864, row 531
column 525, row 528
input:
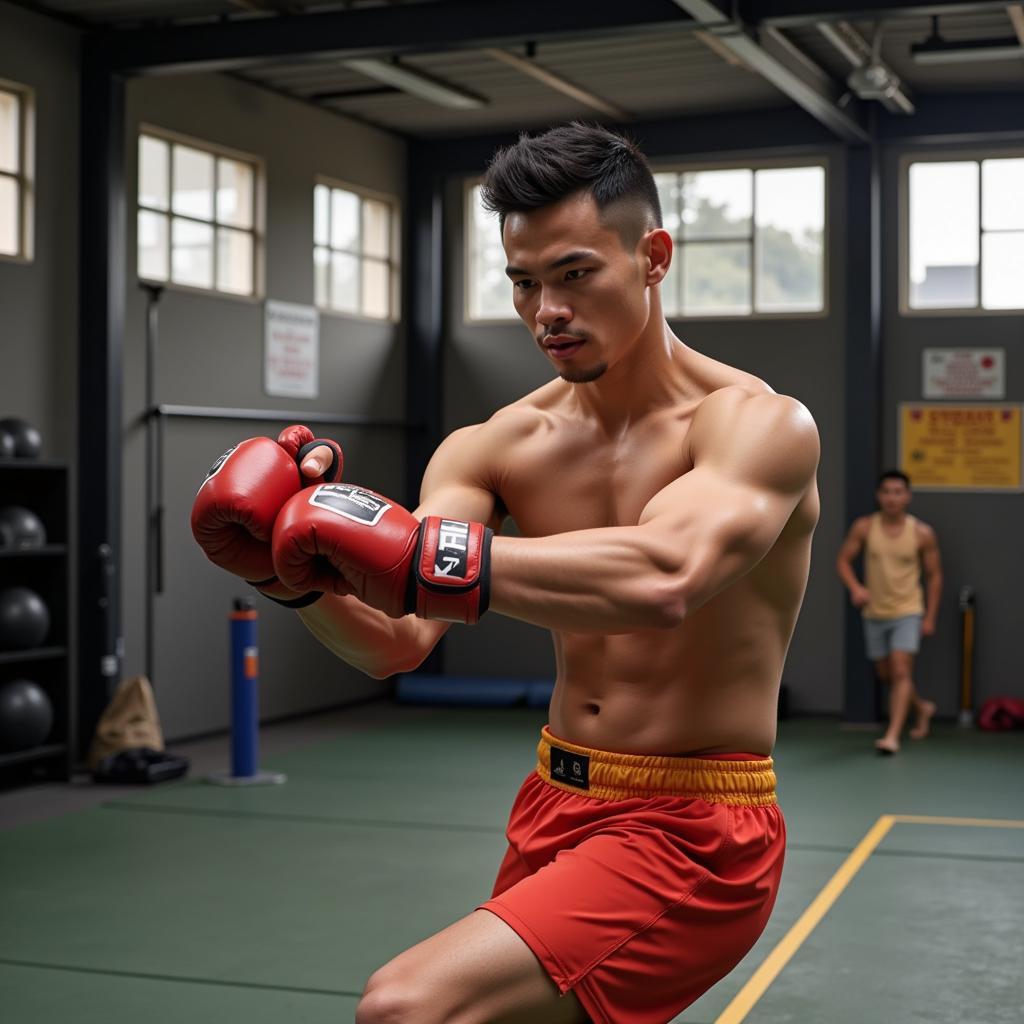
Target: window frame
column 824, row 161
column 258, row 231
column 24, row 176
column 393, row 260
column 932, row 156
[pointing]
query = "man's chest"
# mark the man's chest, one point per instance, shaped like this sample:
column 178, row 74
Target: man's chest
column 570, row 484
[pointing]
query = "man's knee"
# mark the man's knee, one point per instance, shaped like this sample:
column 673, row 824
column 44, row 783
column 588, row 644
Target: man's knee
column 388, row 999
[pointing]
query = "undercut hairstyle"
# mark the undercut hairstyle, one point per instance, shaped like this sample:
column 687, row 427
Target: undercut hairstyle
column 542, row 170
column 894, row 474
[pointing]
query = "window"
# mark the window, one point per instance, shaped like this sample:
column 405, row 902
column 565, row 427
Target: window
column 15, row 163
column 354, row 252
column 488, row 290
column 197, row 216
column 966, row 234
column 748, row 241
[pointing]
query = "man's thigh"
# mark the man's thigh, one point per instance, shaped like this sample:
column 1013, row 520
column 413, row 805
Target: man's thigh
column 476, row 970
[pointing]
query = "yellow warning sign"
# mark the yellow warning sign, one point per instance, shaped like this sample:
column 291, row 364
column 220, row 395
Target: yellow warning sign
column 961, row 447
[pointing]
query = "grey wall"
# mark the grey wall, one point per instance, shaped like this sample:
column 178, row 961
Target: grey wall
column 210, row 353
column 39, row 299
column 486, row 366
column 980, row 535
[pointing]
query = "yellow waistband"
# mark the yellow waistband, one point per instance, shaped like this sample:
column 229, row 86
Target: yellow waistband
column 611, row 776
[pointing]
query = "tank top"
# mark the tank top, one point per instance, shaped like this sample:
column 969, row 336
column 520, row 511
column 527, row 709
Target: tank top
column 892, row 571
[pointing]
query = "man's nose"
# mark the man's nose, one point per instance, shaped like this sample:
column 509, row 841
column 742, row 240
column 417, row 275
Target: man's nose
column 552, row 310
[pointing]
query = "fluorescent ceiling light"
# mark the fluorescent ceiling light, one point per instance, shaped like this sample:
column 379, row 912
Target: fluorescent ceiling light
column 939, row 51
column 418, row 83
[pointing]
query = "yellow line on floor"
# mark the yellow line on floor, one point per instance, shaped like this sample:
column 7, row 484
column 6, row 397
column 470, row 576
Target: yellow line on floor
column 925, row 819
column 747, row 996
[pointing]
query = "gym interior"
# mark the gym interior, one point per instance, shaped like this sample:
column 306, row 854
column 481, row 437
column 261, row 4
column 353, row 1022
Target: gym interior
column 221, row 217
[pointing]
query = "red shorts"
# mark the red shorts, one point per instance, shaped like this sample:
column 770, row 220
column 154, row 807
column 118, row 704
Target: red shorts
column 638, row 882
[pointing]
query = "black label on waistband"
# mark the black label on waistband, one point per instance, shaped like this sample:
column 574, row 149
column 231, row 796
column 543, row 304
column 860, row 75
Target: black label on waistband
column 572, row 769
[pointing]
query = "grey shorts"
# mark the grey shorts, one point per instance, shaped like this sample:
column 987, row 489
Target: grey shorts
column 883, row 636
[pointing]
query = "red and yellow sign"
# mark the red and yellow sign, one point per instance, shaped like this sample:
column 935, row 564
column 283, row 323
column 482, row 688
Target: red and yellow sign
column 961, row 447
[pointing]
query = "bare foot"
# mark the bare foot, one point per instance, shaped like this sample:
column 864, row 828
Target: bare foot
column 887, row 746
column 923, row 720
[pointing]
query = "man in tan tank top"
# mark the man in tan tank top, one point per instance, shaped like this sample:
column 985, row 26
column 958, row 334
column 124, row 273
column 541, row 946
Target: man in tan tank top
column 664, row 504
column 896, row 546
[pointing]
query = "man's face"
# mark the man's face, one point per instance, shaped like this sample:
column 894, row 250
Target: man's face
column 582, row 295
column 893, row 497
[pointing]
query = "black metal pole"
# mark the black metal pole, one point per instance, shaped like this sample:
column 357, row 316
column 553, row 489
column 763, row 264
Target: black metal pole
column 863, row 385
column 102, row 278
column 154, row 472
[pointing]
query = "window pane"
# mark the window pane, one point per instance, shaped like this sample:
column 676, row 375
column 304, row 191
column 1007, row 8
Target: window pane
column 234, row 193
column 376, row 228
column 489, row 288
column 193, row 182
column 1002, row 194
column 790, row 215
column 716, row 279
column 10, row 155
column 376, row 289
column 344, row 219
column 321, row 215
column 152, row 246
column 668, row 194
column 1002, row 270
column 717, row 204
column 490, row 291
column 154, row 155
column 321, row 276
column 344, row 283
column 234, row 261
column 192, row 255
column 9, row 219
column 943, row 234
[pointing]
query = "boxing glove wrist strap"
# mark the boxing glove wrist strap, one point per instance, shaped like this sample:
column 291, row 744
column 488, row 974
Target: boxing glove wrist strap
column 304, row 601
column 451, row 571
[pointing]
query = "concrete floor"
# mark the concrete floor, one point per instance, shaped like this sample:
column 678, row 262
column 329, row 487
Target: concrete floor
column 193, row 902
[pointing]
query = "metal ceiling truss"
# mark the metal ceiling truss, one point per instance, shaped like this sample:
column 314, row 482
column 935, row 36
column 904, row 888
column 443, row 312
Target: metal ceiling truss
column 768, row 52
column 377, row 31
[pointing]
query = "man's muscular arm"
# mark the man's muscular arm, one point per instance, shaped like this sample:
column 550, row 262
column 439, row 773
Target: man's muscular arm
column 754, row 456
column 368, row 639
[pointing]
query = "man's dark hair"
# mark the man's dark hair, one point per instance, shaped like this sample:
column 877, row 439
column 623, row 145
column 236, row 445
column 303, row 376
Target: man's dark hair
column 893, row 474
column 545, row 169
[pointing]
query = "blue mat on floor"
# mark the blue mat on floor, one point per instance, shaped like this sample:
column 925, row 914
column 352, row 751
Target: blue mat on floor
column 473, row 691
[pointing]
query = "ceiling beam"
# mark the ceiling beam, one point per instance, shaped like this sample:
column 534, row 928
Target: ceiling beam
column 379, row 31
column 1016, row 13
column 797, row 13
column 541, row 74
column 791, row 71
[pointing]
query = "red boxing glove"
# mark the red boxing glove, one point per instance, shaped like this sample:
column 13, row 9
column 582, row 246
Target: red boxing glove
column 233, row 513
column 348, row 540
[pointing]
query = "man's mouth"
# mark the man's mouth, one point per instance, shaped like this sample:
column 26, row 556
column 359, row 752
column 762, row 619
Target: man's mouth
column 561, row 346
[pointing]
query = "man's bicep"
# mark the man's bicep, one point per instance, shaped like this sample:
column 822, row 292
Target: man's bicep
column 455, row 482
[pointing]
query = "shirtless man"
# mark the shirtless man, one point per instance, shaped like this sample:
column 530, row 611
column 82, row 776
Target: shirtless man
column 666, row 503
column 896, row 546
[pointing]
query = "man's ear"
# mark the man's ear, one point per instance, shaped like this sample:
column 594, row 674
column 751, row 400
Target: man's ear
column 656, row 246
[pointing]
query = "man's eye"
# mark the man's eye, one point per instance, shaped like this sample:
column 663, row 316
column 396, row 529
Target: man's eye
column 523, row 284
column 575, row 275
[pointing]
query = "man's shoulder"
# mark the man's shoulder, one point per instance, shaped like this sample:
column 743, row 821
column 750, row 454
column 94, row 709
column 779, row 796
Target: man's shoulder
column 754, row 404
column 508, row 425
column 923, row 530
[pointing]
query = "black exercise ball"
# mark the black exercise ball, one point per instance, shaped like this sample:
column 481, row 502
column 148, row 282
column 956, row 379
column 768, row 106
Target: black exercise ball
column 28, row 442
column 20, row 527
column 24, row 619
column 6, row 445
column 26, row 715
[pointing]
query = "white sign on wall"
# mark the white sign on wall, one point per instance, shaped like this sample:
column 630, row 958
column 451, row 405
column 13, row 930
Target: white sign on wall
column 291, row 350
column 964, row 372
